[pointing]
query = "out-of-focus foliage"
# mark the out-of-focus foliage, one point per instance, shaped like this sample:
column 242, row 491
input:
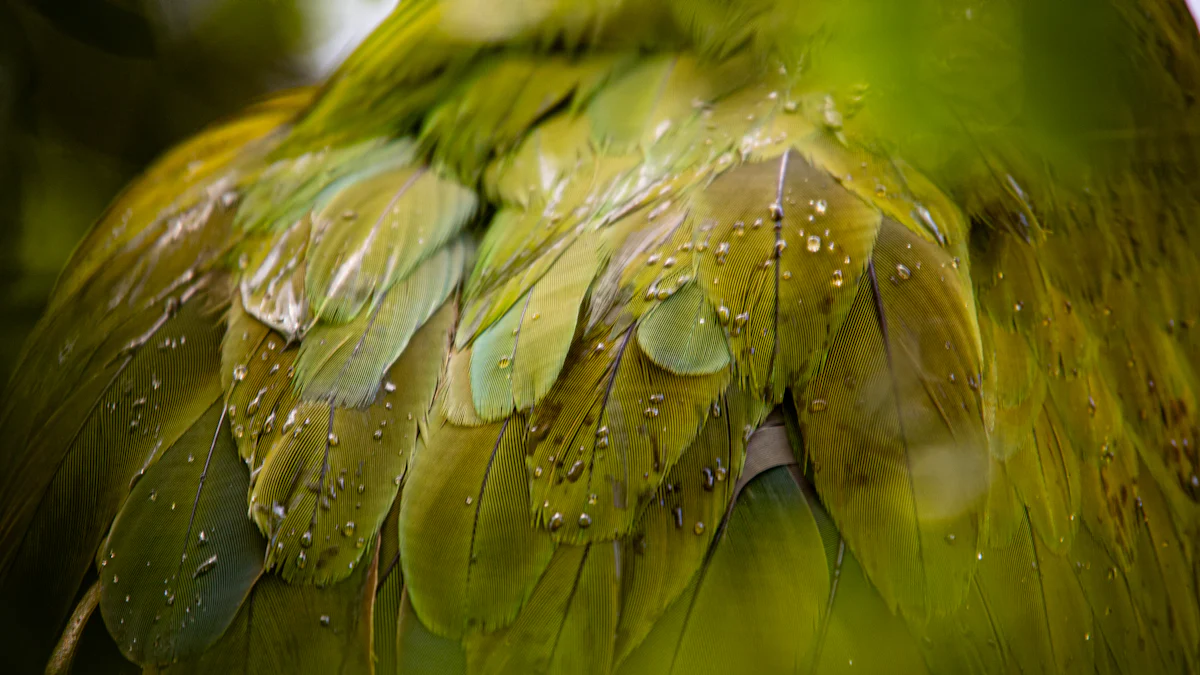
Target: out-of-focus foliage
column 92, row 90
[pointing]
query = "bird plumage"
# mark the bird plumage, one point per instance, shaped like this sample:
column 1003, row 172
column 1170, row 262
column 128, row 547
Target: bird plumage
column 614, row 337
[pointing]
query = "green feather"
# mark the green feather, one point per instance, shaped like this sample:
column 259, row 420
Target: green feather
column 858, row 632
column 182, row 522
column 468, row 489
column 296, row 628
column 515, row 361
column 687, row 312
column 605, row 436
column 344, row 363
column 418, row 650
column 778, row 278
column 569, row 623
column 329, row 475
column 894, row 426
column 759, row 597
column 289, row 188
column 389, row 592
column 78, row 467
column 372, row 232
column 667, row 547
column 272, row 288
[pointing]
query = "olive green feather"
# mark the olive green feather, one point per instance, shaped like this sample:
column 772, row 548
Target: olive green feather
column 81, row 462
column 606, row 435
column 759, row 596
column 297, row 628
column 609, row 245
column 468, row 489
column 344, row 363
column 515, row 361
column 894, row 426
column 418, row 650
column 672, row 539
column 373, row 231
column 182, row 523
column 325, row 476
column 569, row 622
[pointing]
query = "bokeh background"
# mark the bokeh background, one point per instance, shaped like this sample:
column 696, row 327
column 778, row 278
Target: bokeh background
column 91, row 91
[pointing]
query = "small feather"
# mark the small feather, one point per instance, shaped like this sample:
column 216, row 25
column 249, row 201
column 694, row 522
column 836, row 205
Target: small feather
column 182, row 523
column 515, row 361
column 894, row 427
column 468, row 489
column 345, row 363
column 372, row 232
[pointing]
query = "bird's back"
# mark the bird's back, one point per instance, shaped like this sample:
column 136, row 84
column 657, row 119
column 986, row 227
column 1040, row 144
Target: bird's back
column 611, row 337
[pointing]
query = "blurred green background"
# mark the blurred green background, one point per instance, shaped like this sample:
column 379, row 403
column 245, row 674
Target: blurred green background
column 93, row 90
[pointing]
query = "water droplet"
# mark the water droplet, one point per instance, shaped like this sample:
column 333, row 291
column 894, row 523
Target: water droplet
column 203, row 538
column 575, row 471
column 239, row 373
column 585, row 521
column 776, row 211
column 537, row 472
column 837, row 279
column 813, row 243
column 205, row 567
column 903, row 272
column 306, row 539
column 378, row 434
column 723, row 314
column 651, row 412
column 389, row 387
column 333, row 439
column 707, row 478
column 348, row 529
column 820, row 207
column 324, row 619
column 699, row 528
column 470, row 500
column 817, row 405
column 556, row 521
column 301, row 560
column 504, row 362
